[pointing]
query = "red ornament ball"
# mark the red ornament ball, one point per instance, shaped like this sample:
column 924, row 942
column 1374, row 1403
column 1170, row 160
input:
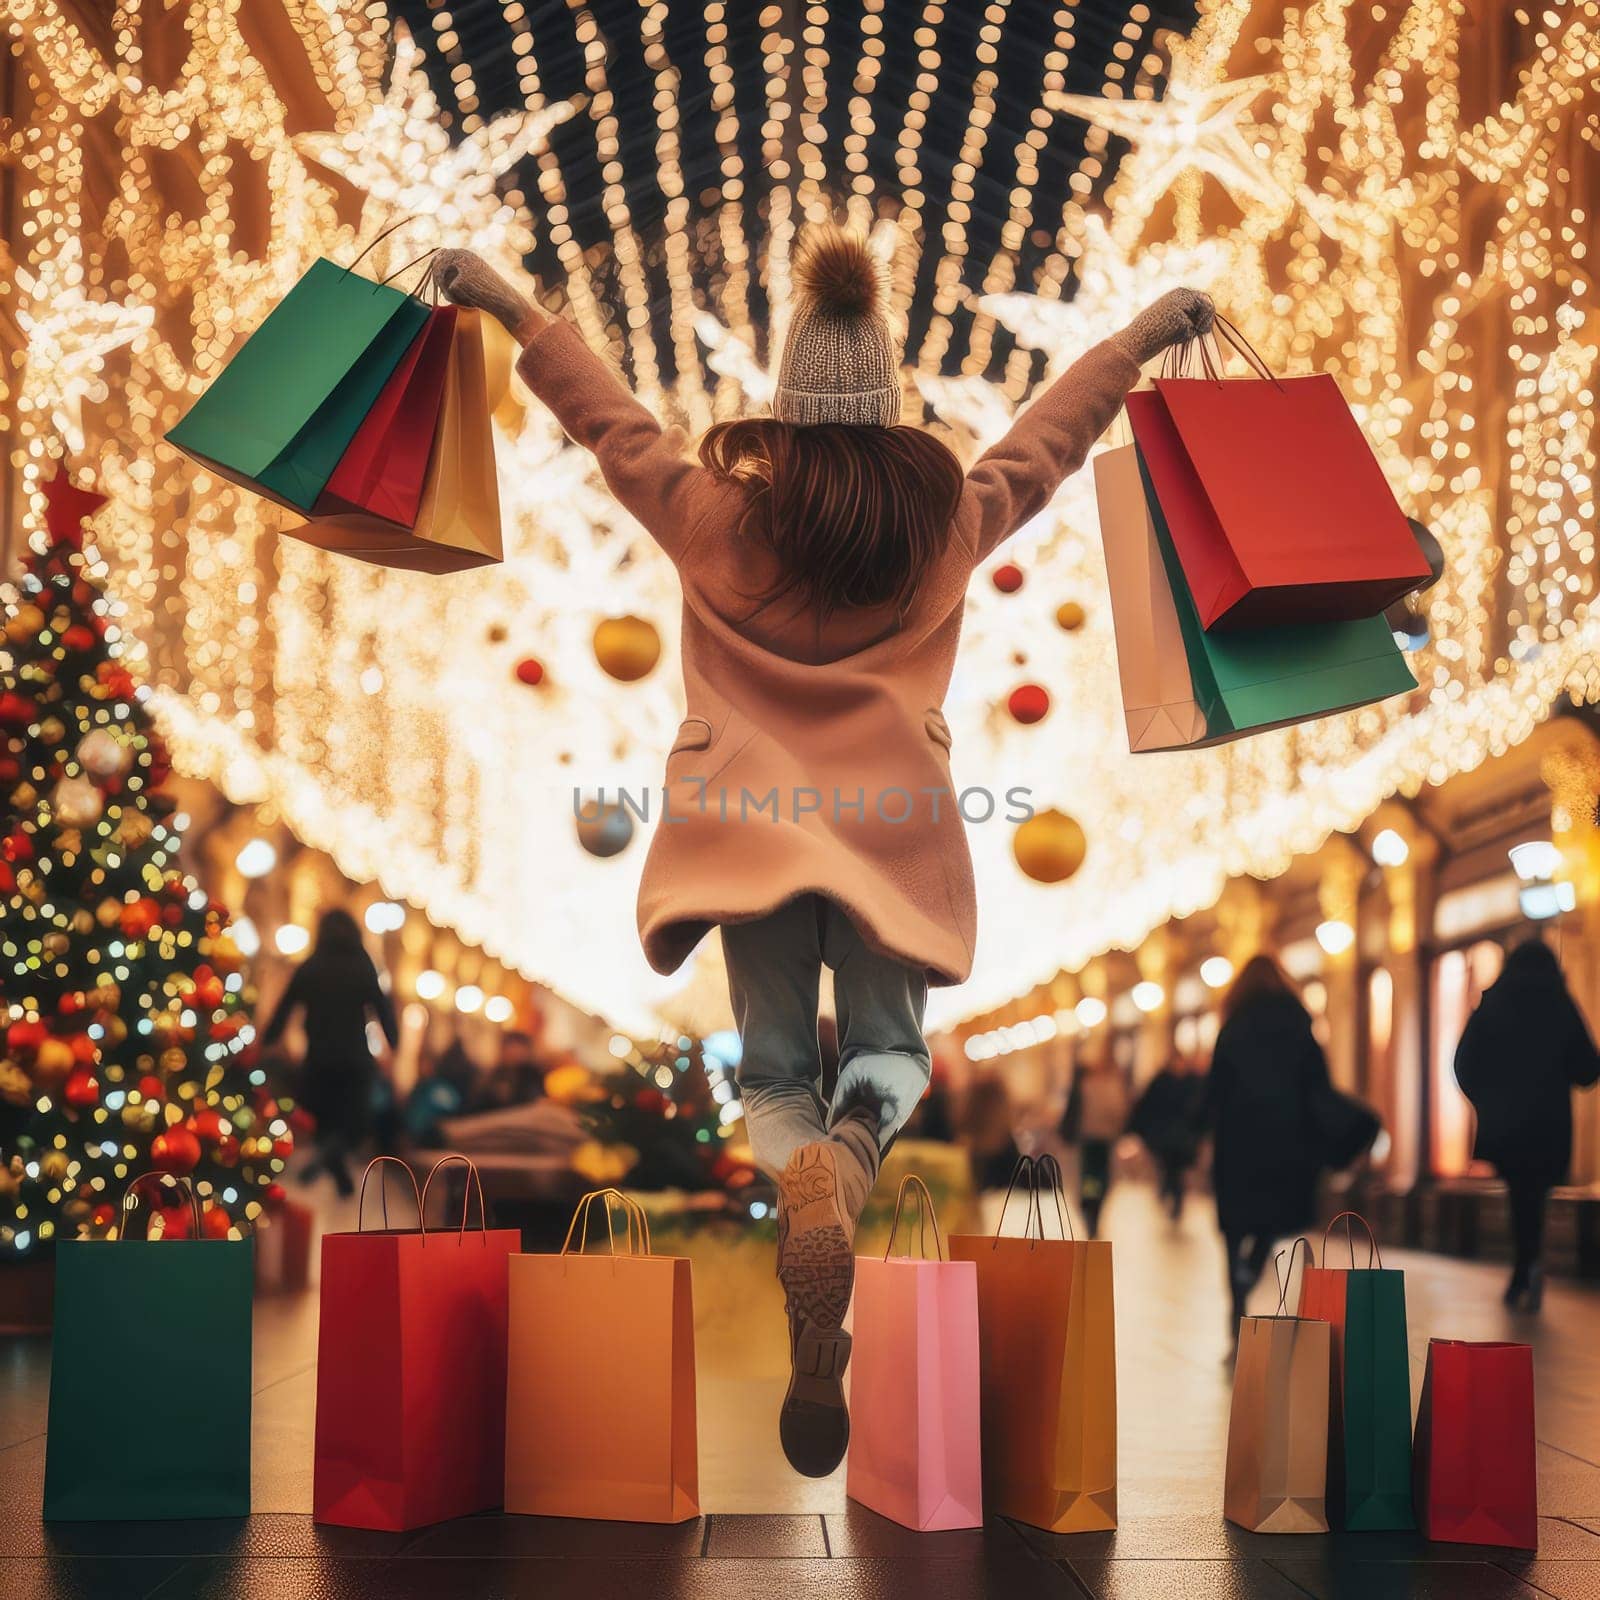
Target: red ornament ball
column 1029, row 703
column 152, row 1088
column 273, row 1196
column 82, row 1088
column 530, row 671
column 83, row 1049
column 24, row 1037
column 206, row 1124
column 79, row 638
column 215, row 1222
column 1007, row 578
column 175, row 1150
column 103, row 1215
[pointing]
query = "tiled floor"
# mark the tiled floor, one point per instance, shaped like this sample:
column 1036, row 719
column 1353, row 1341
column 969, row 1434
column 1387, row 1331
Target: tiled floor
column 767, row 1532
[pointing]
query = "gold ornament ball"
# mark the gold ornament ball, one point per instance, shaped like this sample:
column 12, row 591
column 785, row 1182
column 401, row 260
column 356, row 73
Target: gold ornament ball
column 82, row 921
column 55, row 944
column 173, row 1060
column 52, row 730
column 16, row 1087
column 1069, row 616
column 107, row 912
column 53, row 1164
column 53, row 1061
column 25, row 623
column 23, row 796
column 1049, row 846
column 627, row 648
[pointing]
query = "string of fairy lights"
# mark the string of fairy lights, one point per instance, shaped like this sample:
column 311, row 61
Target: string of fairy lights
column 1335, row 176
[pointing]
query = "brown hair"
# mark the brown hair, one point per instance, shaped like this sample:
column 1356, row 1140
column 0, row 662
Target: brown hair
column 856, row 516
column 1259, row 977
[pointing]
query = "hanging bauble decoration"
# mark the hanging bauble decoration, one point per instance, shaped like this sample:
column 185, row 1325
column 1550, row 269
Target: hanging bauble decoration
column 16, row 711
column 16, row 1087
column 52, row 1062
column 175, row 1150
column 530, row 671
column 82, row 1089
column 78, row 803
column 627, row 648
column 79, row 639
column 1029, row 703
column 1070, row 616
column 55, row 1165
column 604, row 830
column 1007, row 577
column 26, row 622
column 52, row 730
column 215, row 1222
column 1049, row 846
column 101, row 753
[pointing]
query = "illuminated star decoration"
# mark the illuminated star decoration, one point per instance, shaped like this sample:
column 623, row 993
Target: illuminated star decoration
column 1196, row 127
column 68, row 337
column 400, row 155
column 67, row 507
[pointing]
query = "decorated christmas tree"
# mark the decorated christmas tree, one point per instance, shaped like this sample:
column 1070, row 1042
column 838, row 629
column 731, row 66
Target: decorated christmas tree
column 127, row 1038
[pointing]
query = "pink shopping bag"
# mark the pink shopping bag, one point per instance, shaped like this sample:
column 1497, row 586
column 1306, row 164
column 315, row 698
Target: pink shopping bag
column 914, row 1432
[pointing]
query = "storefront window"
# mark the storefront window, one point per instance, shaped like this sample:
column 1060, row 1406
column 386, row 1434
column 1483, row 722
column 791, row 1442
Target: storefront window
column 1459, row 979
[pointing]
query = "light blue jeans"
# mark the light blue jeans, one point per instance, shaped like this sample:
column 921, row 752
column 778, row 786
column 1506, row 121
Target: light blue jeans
column 774, row 974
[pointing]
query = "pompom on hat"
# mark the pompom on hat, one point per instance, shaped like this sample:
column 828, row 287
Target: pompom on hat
column 839, row 361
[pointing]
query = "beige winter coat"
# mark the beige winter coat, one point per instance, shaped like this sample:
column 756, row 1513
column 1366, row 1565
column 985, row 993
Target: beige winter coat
column 814, row 757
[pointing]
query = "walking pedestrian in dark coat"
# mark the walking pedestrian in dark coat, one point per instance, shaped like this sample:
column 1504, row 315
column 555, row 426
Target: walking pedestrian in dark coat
column 1168, row 1120
column 336, row 988
column 1524, row 1050
column 1267, row 1074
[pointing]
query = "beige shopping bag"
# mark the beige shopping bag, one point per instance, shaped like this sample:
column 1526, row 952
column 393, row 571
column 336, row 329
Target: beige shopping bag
column 1277, row 1470
column 600, row 1393
column 458, row 522
column 1157, row 694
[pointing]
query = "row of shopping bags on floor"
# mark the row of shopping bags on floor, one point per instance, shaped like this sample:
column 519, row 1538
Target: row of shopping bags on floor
column 986, row 1380
column 1320, row 1431
column 1252, row 544
column 368, row 411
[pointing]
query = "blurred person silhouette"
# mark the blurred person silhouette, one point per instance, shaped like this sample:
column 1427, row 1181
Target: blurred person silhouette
column 336, row 990
column 517, row 1077
column 986, row 1130
column 1268, row 1079
column 1521, row 1055
column 1168, row 1119
column 1095, row 1118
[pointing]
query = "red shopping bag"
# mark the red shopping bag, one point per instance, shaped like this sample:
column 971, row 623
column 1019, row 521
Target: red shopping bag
column 411, row 1370
column 383, row 468
column 914, row 1431
column 1275, row 502
column 1474, row 1461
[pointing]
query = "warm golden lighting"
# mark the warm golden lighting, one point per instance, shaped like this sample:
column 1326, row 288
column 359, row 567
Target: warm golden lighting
column 1337, row 180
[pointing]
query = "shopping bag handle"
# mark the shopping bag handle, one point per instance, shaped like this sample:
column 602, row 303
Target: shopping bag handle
column 1211, row 354
column 1024, row 1165
column 631, row 1209
column 1049, row 1167
column 1347, row 1218
column 383, row 1192
column 428, row 281
column 473, row 1182
column 925, row 1215
column 374, row 243
column 130, row 1198
column 1286, row 1275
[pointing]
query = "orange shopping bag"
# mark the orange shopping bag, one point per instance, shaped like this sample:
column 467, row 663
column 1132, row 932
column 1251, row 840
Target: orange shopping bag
column 1048, row 1367
column 914, row 1433
column 600, row 1393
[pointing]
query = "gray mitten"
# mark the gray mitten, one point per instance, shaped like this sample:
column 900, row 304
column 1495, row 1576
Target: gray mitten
column 1178, row 315
column 466, row 279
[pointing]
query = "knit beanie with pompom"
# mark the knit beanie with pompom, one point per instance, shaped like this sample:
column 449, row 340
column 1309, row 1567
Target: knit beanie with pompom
column 838, row 358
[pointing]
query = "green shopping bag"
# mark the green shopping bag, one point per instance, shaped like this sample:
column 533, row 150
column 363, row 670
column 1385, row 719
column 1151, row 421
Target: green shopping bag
column 1369, row 1414
column 150, row 1377
column 1252, row 679
column 278, row 417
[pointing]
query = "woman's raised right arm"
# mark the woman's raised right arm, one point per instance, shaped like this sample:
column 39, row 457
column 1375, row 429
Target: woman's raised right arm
column 647, row 475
